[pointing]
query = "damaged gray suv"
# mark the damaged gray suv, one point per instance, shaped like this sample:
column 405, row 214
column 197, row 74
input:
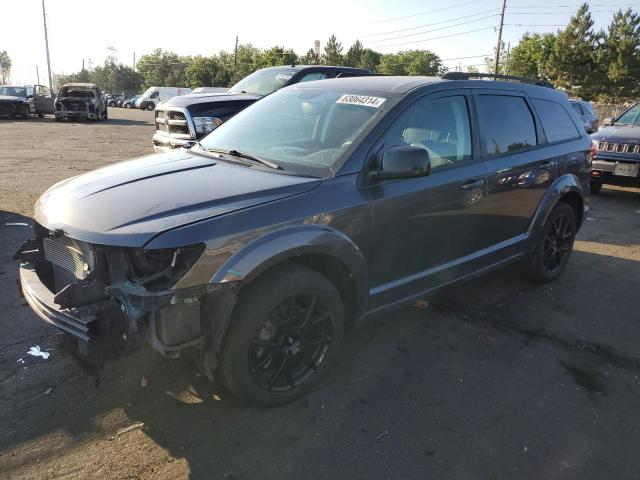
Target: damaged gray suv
column 322, row 203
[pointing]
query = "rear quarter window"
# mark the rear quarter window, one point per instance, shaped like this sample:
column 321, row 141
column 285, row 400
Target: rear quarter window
column 556, row 122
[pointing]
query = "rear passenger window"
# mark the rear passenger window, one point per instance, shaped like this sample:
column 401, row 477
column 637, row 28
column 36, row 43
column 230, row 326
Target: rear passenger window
column 576, row 107
column 507, row 124
column 556, row 122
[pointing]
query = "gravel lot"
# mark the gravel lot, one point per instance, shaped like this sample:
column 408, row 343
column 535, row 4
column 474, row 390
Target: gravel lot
column 494, row 379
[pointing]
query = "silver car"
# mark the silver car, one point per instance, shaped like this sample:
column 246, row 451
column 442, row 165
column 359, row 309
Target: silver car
column 586, row 114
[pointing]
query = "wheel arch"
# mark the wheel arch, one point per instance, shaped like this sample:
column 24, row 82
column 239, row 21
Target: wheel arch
column 320, row 248
column 566, row 188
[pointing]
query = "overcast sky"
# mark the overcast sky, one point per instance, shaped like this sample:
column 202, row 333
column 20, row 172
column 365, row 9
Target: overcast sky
column 84, row 29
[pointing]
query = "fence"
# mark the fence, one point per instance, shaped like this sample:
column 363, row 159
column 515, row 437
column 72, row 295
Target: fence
column 604, row 110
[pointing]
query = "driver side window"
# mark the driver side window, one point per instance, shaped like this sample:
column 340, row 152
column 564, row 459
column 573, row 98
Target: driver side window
column 155, row 94
column 440, row 126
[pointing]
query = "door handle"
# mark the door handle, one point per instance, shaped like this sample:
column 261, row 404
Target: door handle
column 472, row 184
column 546, row 165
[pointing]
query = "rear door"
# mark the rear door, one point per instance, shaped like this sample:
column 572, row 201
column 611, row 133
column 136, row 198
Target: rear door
column 520, row 168
column 43, row 100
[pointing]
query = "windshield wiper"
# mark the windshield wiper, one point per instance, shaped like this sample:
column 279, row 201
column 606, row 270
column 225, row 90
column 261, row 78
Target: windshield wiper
column 239, row 154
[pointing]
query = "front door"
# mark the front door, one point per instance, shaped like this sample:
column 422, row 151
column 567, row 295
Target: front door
column 427, row 229
column 43, row 100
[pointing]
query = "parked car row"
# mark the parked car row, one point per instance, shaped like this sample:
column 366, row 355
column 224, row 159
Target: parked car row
column 305, row 210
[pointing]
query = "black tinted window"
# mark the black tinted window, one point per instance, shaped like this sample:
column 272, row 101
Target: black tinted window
column 556, row 122
column 507, row 124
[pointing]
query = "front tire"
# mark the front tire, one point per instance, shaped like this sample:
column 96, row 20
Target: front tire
column 552, row 253
column 150, row 106
column 27, row 112
column 284, row 333
column 595, row 187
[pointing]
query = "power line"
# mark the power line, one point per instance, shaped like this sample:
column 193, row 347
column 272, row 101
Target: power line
column 430, row 24
column 428, row 11
column 434, row 30
column 436, row 38
column 463, row 58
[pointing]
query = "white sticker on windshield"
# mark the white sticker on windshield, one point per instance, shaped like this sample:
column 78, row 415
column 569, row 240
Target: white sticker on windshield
column 365, row 100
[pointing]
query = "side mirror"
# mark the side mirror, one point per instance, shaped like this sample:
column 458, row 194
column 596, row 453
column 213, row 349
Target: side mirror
column 404, row 162
column 29, row 96
column 608, row 121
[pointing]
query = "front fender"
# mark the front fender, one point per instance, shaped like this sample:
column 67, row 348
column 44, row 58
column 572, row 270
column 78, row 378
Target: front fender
column 563, row 185
column 287, row 243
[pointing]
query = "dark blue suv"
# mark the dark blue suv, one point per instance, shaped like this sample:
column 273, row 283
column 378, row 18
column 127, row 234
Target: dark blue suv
column 617, row 160
column 322, row 203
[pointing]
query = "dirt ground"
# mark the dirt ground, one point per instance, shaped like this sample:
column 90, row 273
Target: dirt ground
column 494, row 379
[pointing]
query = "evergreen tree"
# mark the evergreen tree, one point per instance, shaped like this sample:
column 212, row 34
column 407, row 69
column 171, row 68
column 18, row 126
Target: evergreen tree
column 530, row 57
column 621, row 55
column 332, row 52
column 572, row 63
column 354, row 54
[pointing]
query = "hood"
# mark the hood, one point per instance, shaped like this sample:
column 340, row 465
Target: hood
column 183, row 101
column 129, row 203
column 618, row 134
column 11, row 98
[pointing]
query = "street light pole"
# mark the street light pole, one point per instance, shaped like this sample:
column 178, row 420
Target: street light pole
column 46, row 44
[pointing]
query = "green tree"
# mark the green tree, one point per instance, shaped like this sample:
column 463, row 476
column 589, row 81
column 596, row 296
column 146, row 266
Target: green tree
column 370, row 60
column 354, row 54
column 309, row 58
column 530, row 57
column 391, row 64
column 332, row 52
column 621, row 54
column 207, row 72
column 163, row 68
column 5, row 67
column 277, row 56
column 572, row 64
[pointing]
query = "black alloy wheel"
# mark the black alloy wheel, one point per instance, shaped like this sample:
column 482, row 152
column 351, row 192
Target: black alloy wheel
column 285, row 331
column 291, row 343
column 553, row 250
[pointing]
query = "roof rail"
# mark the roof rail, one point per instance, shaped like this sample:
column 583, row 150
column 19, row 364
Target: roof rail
column 470, row 75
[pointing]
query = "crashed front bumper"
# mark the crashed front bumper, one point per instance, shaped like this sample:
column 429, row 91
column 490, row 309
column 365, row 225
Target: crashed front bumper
column 40, row 299
column 74, row 114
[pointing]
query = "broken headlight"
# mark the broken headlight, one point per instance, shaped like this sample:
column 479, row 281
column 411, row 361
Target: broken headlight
column 205, row 125
column 164, row 266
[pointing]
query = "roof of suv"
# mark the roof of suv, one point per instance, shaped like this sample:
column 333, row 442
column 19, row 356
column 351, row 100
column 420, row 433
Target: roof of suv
column 404, row 84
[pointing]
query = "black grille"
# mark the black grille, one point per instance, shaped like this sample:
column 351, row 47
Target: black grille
column 7, row 109
column 176, row 116
column 179, row 129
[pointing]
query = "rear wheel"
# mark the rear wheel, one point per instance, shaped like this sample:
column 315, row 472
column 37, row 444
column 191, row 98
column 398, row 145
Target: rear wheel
column 595, row 187
column 284, row 333
column 552, row 253
column 27, row 112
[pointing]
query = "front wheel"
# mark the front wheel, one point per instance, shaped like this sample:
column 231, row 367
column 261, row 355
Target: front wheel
column 554, row 247
column 150, row 106
column 27, row 111
column 284, row 333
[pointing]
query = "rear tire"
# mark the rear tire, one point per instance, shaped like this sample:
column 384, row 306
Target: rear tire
column 27, row 112
column 595, row 187
column 554, row 247
column 284, row 333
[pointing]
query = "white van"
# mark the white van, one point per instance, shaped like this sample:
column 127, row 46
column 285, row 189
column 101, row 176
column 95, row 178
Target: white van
column 154, row 95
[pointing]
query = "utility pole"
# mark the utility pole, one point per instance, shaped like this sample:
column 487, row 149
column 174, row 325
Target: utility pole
column 83, row 64
column 37, row 74
column 506, row 62
column 46, row 44
column 134, row 61
column 498, row 47
column 235, row 55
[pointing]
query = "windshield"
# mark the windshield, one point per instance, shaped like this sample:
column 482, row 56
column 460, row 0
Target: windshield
column 630, row 117
column 304, row 130
column 264, row 81
column 76, row 91
column 13, row 91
